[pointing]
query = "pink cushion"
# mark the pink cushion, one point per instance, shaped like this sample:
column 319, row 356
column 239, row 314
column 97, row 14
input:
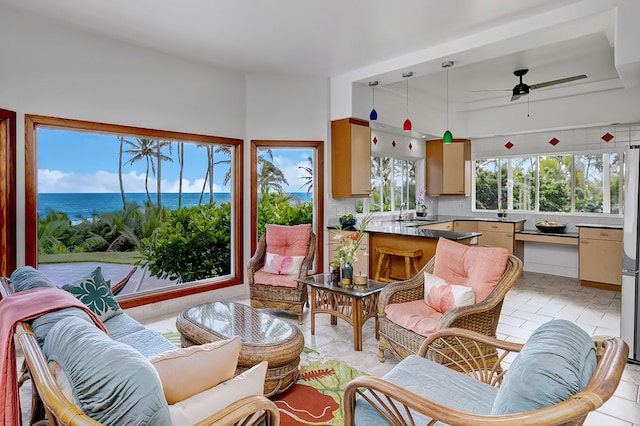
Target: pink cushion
column 449, row 296
column 416, row 316
column 265, row 278
column 288, row 240
column 283, row 265
column 477, row 267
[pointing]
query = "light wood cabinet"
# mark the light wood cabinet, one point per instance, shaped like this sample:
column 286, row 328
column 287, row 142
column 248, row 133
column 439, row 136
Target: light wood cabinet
column 442, row 226
column 362, row 265
column 465, row 226
column 600, row 258
column 448, row 167
column 350, row 158
column 501, row 234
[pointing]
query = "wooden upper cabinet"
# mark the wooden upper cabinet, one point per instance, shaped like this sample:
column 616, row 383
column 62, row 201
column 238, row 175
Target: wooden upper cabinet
column 448, row 167
column 350, row 158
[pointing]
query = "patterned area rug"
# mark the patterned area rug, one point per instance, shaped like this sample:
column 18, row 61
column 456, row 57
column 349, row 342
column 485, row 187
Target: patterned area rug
column 316, row 398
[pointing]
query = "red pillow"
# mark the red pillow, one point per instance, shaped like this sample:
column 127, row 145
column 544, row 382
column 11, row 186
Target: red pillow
column 477, row 267
column 288, row 240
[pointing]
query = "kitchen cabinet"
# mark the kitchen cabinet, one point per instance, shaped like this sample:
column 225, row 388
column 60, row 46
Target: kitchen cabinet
column 448, row 167
column 362, row 265
column 600, row 257
column 350, row 158
column 501, row 234
column 442, row 226
column 465, row 226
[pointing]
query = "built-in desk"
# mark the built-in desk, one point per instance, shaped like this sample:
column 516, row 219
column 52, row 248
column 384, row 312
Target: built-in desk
column 568, row 238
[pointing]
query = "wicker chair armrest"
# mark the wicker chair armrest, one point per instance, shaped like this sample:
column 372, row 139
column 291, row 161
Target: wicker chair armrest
column 307, row 263
column 243, row 410
column 257, row 260
column 469, row 335
column 405, row 291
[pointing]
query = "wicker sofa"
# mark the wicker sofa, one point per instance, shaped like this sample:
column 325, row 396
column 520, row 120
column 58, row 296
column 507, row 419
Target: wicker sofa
column 57, row 397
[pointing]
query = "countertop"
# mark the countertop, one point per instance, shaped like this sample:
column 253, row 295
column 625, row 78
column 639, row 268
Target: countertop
column 554, row 234
column 597, row 225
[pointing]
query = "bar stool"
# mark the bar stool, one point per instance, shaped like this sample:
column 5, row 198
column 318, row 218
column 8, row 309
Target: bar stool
column 384, row 263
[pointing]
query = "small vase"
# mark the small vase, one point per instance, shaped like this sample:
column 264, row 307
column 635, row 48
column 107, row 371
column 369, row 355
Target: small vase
column 347, row 274
column 502, row 214
column 335, row 275
column 421, row 214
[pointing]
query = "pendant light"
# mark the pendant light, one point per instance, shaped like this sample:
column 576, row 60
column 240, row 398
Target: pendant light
column 447, row 137
column 373, row 115
column 407, row 123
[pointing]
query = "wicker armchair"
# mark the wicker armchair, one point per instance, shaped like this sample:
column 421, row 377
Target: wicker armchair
column 399, row 406
column 481, row 317
column 275, row 297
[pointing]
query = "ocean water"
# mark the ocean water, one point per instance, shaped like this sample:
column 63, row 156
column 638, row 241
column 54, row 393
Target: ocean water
column 85, row 205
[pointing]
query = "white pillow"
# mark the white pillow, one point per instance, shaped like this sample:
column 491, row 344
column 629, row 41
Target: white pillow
column 282, row 265
column 202, row 405
column 442, row 296
column 430, row 281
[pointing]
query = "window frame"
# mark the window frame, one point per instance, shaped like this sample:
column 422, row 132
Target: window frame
column 573, row 154
column 32, row 122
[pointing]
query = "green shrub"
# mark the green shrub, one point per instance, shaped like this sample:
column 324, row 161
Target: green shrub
column 193, row 244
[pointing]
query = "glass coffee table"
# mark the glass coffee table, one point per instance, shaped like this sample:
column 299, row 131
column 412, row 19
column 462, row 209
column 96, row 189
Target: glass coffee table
column 264, row 338
column 354, row 304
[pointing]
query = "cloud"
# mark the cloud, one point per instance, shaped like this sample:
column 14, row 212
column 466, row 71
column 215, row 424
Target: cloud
column 56, row 181
column 292, row 172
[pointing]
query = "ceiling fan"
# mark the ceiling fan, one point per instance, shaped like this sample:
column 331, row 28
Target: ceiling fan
column 522, row 88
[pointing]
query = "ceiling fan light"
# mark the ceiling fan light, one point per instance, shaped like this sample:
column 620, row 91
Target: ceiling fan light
column 447, row 137
column 407, row 125
column 373, row 115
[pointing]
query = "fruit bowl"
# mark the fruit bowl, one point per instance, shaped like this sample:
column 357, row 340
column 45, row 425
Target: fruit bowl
column 551, row 227
column 347, row 221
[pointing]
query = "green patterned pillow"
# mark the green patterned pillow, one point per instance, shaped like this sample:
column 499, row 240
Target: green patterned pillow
column 93, row 291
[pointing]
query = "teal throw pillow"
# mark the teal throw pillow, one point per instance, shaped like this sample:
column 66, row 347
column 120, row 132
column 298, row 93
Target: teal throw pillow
column 94, row 292
column 555, row 363
column 113, row 383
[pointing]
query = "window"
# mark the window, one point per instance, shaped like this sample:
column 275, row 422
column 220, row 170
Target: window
column 393, row 183
column 108, row 193
column 579, row 183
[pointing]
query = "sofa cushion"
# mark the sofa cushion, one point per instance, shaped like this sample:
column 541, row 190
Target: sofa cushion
column 265, row 278
column 442, row 296
column 416, row 316
column 288, row 240
column 282, row 265
column 44, row 323
column 148, row 342
column 435, row 382
column 122, row 325
column 187, row 371
column 200, row 406
column 93, row 291
column 477, row 267
column 555, row 363
column 27, row 278
column 113, row 382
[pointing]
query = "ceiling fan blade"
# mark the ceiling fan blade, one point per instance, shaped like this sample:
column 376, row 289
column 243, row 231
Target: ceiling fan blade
column 516, row 97
column 492, row 90
column 559, row 81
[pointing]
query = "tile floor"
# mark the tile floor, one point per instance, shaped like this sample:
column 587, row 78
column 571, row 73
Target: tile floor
column 535, row 299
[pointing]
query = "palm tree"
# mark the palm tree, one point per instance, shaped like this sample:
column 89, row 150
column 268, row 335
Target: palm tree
column 224, row 150
column 181, row 162
column 308, row 179
column 143, row 148
column 208, row 177
column 161, row 157
column 124, row 201
column 270, row 177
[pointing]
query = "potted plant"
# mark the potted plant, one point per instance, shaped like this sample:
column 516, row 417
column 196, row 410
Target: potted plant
column 502, row 211
column 422, row 204
column 347, row 251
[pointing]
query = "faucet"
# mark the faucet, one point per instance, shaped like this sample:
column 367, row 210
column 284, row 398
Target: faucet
column 403, row 216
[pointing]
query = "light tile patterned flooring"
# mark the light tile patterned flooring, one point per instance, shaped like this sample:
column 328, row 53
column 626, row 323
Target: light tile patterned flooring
column 535, row 299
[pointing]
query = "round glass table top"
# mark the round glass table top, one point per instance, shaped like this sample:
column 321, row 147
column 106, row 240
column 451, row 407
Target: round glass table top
column 230, row 319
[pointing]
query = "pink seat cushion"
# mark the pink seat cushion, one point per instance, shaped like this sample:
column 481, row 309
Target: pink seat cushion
column 477, row 267
column 288, row 240
column 265, row 278
column 416, row 316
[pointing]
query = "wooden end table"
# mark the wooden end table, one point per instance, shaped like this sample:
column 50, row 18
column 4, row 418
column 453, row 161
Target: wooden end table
column 354, row 304
column 264, row 338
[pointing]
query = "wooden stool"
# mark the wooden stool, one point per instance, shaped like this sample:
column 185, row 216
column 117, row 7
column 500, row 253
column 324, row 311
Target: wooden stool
column 384, row 263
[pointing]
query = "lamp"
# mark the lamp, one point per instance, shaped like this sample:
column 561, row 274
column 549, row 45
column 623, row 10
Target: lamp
column 407, row 123
column 447, row 137
column 373, row 115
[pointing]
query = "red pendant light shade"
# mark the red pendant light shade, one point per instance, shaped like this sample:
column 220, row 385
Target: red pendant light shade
column 407, row 125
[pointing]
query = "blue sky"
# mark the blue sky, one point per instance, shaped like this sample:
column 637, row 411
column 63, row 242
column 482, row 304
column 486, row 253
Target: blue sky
column 79, row 162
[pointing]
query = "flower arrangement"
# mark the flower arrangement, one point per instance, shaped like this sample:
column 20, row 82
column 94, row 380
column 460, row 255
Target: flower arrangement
column 501, row 208
column 347, row 250
column 421, row 201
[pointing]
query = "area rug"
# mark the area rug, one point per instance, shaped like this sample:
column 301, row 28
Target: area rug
column 316, row 398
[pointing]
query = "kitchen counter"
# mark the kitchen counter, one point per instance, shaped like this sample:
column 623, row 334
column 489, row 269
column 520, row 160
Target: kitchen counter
column 533, row 235
column 597, row 225
column 409, row 228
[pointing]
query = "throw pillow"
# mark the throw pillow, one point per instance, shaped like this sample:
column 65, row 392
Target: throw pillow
column 27, row 278
column 113, row 383
column 555, row 363
column 288, row 240
column 282, row 265
column 442, row 296
column 203, row 405
column 189, row 371
column 93, row 291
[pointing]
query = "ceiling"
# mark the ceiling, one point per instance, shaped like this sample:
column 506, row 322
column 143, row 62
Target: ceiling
column 333, row 37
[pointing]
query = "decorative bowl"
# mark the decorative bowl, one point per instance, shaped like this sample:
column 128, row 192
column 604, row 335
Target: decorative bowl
column 552, row 229
column 347, row 222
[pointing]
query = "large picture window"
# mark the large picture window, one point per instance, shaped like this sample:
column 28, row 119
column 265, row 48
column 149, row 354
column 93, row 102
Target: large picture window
column 162, row 204
column 578, row 183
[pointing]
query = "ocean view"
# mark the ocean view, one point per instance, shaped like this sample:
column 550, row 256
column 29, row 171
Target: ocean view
column 85, row 204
